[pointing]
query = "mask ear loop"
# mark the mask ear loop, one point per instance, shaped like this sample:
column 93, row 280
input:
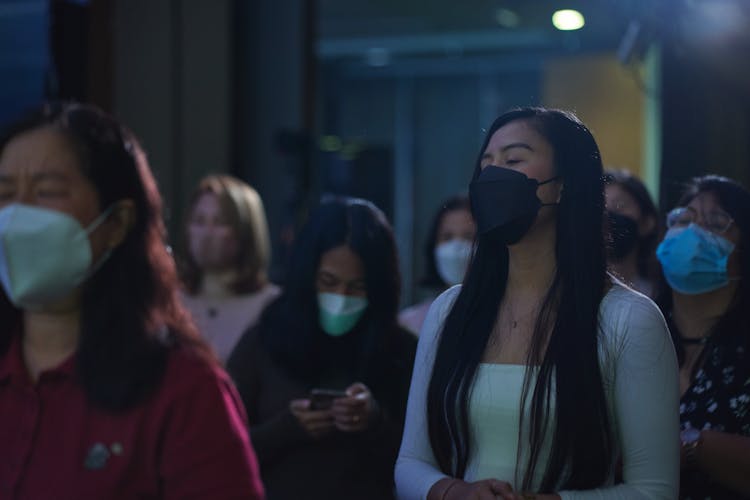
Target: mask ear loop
column 90, row 229
column 551, row 179
column 719, row 239
column 100, row 219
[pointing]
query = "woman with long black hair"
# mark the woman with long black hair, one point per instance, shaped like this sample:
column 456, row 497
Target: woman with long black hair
column 325, row 373
column 541, row 371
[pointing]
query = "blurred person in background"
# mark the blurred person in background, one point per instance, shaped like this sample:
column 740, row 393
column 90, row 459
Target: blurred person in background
column 540, row 370
column 106, row 390
column 325, row 373
column 705, row 257
column 634, row 232
column 448, row 250
column 226, row 254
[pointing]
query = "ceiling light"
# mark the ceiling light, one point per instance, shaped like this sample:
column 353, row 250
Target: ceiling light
column 568, row 20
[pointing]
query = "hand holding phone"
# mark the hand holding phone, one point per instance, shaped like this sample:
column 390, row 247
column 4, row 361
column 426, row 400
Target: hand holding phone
column 357, row 411
column 314, row 413
column 322, row 399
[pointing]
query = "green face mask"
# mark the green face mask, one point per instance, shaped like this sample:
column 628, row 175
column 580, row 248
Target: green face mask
column 339, row 313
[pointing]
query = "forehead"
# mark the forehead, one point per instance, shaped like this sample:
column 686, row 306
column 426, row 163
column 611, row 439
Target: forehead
column 39, row 151
column 207, row 202
column 457, row 217
column 342, row 261
column 616, row 192
column 519, row 131
column 705, row 202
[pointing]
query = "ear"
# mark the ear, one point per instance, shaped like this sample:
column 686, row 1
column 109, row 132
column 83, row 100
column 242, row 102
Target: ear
column 121, row 221
column 646, row 225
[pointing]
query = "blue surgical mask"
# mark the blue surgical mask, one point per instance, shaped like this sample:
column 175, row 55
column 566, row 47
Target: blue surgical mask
column 694, row 259
column 339, row 313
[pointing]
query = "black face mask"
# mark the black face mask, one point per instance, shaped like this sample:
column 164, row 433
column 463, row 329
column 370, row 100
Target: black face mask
column 623, row 235
column 504, row 203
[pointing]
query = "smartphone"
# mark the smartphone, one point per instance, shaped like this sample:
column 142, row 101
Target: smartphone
column 322, row 399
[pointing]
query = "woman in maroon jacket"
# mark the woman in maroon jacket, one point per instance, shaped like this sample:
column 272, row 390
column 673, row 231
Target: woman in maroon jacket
column 105, row 389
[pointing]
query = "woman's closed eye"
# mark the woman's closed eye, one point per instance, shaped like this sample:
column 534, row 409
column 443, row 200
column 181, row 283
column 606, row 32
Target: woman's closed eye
column 51, row 193
column 327, row 280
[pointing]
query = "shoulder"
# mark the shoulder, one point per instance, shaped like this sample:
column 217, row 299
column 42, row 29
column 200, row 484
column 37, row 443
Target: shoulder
column 268, row 292
column 189, row 300
column 412, row 317
column 443, row 304
column 623, row 304
column 187, row 370
column 628, row 318
column 436, row 315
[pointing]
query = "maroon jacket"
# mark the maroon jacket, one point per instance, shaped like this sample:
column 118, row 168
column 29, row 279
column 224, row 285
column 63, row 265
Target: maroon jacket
column 187, row 440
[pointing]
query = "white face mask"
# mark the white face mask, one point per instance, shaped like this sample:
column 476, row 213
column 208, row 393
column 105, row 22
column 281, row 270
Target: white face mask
column 44, row 254
column 452, row 260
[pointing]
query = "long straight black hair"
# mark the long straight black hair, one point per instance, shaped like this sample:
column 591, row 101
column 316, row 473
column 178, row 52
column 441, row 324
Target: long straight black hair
column 569, row 372
column 289, row 327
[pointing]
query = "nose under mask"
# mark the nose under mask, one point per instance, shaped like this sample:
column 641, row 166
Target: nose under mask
column 504, row 203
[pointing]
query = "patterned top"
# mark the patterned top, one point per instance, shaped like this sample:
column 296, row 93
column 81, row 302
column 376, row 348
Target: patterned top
column 718, row 399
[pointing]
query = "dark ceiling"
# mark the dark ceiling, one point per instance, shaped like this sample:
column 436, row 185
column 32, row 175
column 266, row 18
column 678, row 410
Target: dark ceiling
column 377, row 32
column 450, row 27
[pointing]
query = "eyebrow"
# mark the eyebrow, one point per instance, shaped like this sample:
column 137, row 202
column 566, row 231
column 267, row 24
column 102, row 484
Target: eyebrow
column 517, row 145
column 504, row 149
column 327, row 274
column 41, row 176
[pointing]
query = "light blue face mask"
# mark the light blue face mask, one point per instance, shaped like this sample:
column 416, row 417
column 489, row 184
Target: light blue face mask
column 339, row 313
column 44, row 254
column 694, row 259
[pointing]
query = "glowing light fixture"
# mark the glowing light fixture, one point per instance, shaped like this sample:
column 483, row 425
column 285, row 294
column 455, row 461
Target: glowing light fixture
column 568, row 20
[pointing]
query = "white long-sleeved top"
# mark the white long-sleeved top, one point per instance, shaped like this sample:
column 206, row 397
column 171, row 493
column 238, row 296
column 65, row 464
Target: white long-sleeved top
column 640, row 376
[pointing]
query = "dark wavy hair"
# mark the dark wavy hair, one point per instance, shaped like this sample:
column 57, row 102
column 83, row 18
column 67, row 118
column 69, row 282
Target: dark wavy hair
column 734, row 324
column 289, row 327
column 131, row 314
column 431, row 276
column 648, row 265
column 569, row 371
